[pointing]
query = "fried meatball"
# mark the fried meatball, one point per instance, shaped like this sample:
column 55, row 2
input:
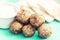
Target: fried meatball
column 28, row 30
column 16, row 27
column 36, row 20
column 23, row 16
column 44, row 31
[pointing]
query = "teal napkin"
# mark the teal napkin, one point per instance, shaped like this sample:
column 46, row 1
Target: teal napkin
column 12, row 1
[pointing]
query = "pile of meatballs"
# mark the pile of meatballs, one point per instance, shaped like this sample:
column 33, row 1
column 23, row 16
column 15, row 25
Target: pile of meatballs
column 28, row 23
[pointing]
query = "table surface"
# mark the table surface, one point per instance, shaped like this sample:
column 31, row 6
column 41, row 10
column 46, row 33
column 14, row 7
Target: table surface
column 7, row 35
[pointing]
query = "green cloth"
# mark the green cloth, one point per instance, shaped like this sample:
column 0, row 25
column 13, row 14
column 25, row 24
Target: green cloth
column 12, row 1
column 55, row 25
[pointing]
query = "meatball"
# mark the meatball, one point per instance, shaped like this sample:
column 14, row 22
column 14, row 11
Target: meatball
column 16, row 27
column 28, row 30
column 36, row 20
column 44, row 31
column 23, row 16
